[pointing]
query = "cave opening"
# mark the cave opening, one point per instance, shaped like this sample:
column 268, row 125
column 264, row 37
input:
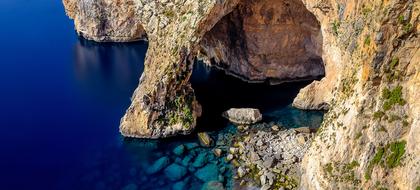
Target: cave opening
column 260, row 55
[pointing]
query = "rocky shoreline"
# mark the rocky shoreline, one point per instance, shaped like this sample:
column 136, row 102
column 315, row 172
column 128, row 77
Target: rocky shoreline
column 258, row 156
column 268, row 156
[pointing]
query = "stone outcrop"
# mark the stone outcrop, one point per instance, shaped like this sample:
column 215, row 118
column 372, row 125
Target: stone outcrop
column 243, row 116
column 106, row 21
column 268, row 158
column 370, row 51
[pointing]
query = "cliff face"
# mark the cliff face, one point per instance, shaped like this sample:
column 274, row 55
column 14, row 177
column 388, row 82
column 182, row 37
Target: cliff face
column 369, row 137
column 369, row 49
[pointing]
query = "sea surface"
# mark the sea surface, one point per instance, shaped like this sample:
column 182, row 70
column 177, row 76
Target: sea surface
column 62, row 97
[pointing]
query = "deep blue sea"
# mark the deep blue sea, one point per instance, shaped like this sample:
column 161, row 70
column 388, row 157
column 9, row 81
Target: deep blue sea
column 62, row 98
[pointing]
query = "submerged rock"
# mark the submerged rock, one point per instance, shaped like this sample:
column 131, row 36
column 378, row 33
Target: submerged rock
column 205, row 139
column 187, row 160
column 158, row 165
column 179, row 150
column 200, row 160
column 213, row 185
column 180, row 185
column 209, row 172
column 191, row 146
column 175, row 172
column 243, row 116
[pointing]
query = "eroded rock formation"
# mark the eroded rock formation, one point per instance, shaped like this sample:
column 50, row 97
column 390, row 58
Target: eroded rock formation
column 266, row 40
column 370, row 50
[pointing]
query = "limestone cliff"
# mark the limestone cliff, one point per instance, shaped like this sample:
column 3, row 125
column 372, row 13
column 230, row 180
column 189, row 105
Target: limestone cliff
column 369, row 49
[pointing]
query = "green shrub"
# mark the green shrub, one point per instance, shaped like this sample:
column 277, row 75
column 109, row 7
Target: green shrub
column 376, row 159
column 367, row 40
column 386, row 93
column 394, row 62
column 394, row 97
column 397, row 151
column 335, row 27
column 401, row 19
column 352, row 165
column 407, row 27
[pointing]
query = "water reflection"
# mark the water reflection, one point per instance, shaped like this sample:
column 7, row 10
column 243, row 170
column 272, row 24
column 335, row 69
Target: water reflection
column 109, row 66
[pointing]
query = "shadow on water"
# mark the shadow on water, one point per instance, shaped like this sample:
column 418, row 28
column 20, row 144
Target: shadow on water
column 217, row 92
column 112, row 68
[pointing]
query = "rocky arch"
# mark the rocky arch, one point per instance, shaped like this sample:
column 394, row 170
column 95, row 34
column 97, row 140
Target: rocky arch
column 268, row 40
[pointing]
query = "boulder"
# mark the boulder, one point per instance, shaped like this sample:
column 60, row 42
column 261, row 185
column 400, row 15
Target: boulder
column 179, row 150
column 210, row 172
column 241, row 172
column 229, row 157
column 217, row 152
column 190, row 146
column 213, row 185
column 187, row 160
column 243, row 116
column 303, row 130
column 205, row 139
column 180, row 185
column 158, row 165
column 200, row 160
column 175, row 172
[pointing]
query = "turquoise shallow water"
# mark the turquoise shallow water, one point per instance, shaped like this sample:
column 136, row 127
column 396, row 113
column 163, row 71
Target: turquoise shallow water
column 62, row 99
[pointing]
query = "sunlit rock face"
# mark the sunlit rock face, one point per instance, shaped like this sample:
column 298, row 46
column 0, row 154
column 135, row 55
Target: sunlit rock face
column 266, row 40
column 106, row 20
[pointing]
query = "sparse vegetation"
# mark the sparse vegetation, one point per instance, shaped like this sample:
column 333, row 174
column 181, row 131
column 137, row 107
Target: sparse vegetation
column 183, row 113
column 394, row 62
column 376, row 159
column 335, row 27
column 328, row 168
column 358, row 135
column 367, row 40
column 382, row 129
column 390, row 156
column 401, row 19
column 366, row 11
column 378, row 115
column 393, row 118
column 407, row 27
column 169, row 13
column 393, row 97
column 398, row 150
column 352, row 165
